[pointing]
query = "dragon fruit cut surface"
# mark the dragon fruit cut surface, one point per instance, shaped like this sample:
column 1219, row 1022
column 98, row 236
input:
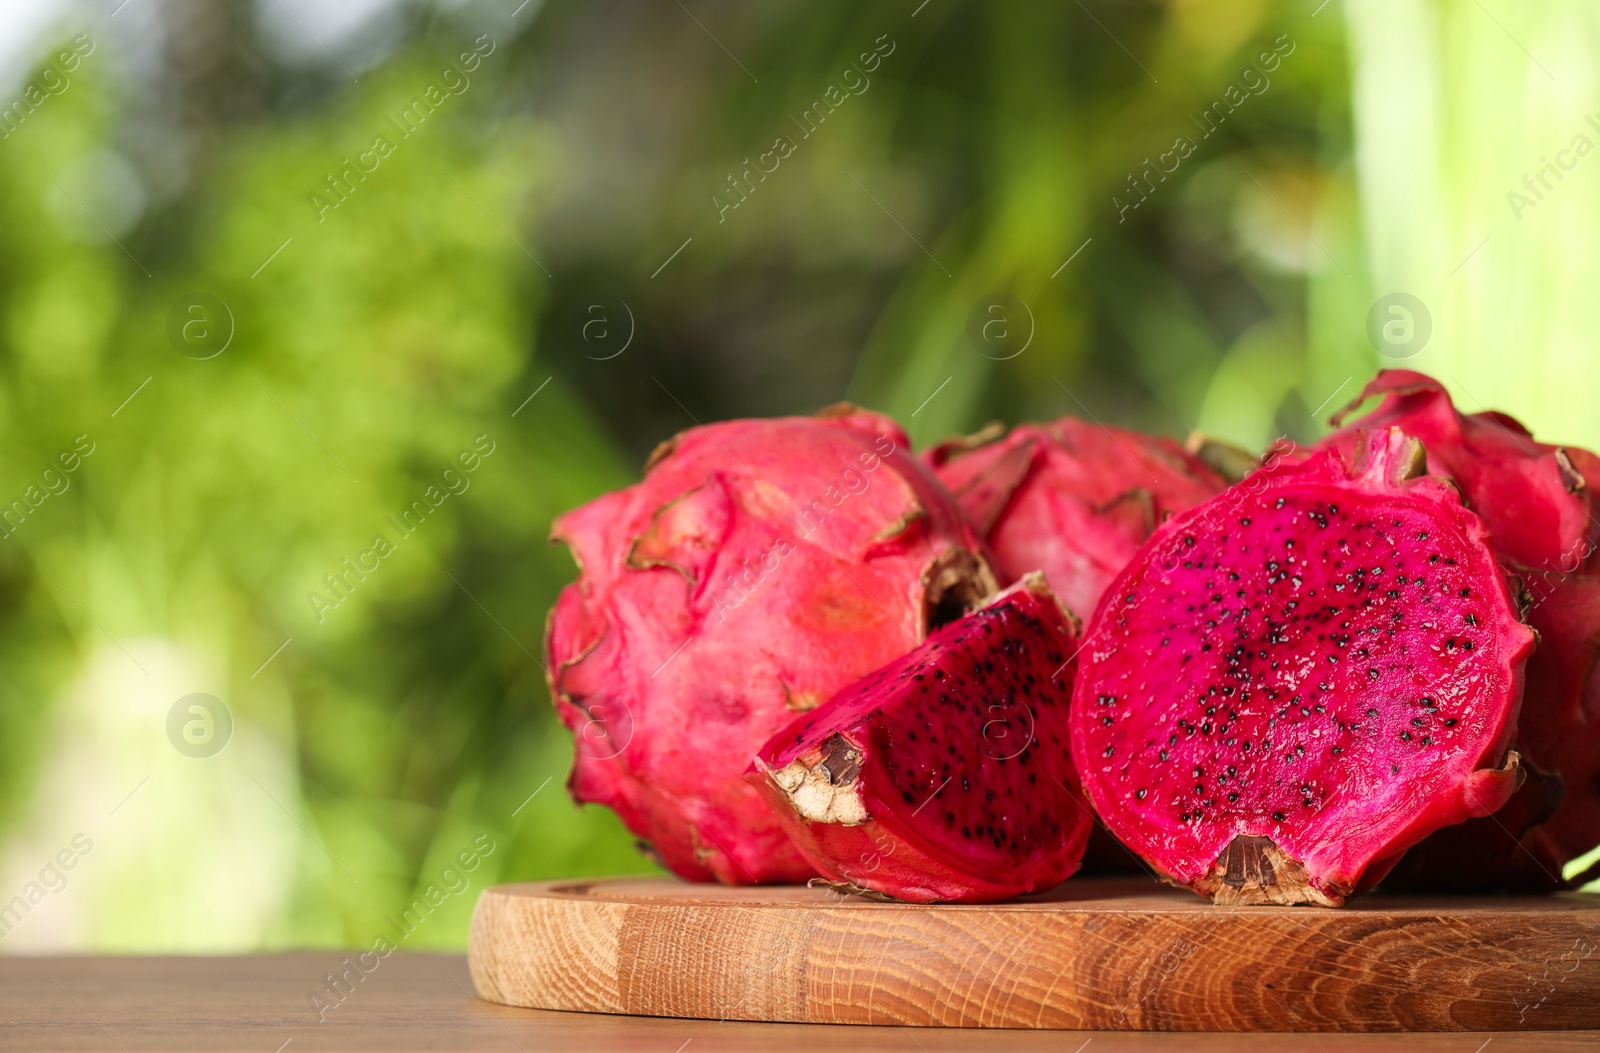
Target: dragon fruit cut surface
column 945, row 776
column 758, row 567
column 1295, row 682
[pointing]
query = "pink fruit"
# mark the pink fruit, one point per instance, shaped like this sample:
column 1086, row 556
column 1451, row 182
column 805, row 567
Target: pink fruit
column 1538, row 502
column 1072, row 499
column 944, row 776
column 758, row 567
column 1297, row 681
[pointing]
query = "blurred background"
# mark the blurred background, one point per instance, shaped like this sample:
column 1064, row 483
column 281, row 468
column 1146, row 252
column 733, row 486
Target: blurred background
column 274, row 271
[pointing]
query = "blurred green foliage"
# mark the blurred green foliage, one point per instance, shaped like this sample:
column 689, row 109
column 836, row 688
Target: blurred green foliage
column 990, row 150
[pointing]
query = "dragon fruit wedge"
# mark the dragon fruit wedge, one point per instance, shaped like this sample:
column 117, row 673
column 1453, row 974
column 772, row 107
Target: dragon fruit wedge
column 944, row 776
column 1297, row 681
column 1538, row 502
column 758, row 567
column 1073, row 499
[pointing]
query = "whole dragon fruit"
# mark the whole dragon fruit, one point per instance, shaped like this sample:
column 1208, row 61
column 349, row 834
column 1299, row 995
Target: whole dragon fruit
column 1072, row 499
column 758, row 567
column 1538, row 502
column 945, row 776
column 1297, row 681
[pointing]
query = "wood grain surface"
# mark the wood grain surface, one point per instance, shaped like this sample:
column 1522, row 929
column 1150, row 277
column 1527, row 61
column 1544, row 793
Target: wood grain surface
column 421, row 1002
column 1096, row 954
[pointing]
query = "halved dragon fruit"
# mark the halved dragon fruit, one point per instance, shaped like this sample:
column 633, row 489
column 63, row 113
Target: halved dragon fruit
column 1297, row 681
column 1538, row 502
column 945, row 776
column 758, row 567
column 1072, row 499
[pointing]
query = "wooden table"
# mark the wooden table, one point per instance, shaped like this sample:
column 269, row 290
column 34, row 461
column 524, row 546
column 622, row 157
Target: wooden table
column 424, row 1001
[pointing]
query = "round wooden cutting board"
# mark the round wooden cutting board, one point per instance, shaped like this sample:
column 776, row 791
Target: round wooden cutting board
column 1096, row 954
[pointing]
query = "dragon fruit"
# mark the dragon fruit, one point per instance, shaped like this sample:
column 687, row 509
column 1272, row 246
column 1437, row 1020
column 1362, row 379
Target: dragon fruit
column 945, row 776
column 758, row 567
column 1537, row 501
column 1297, row 681
column 1072, row 499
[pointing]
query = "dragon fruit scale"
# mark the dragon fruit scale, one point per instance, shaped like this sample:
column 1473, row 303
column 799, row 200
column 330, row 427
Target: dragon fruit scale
column 946, row 775
column 1538, row 502
column 758, row 567
column 1072, row 499
column 1298, row 680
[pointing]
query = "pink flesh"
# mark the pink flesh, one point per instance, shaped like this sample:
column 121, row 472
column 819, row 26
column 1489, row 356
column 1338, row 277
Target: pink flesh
column 1321, row 661
column 966, row 773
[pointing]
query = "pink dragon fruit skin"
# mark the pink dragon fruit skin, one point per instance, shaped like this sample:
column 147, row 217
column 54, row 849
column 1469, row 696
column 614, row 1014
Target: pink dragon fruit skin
column 1295, row 682
column 1537, row 501
column 1070, row 498
column 758, row 567
column 945, row 776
